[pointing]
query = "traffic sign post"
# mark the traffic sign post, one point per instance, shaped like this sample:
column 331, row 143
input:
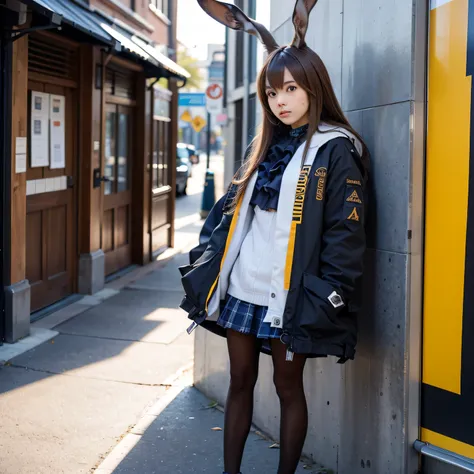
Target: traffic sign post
column 214, row 99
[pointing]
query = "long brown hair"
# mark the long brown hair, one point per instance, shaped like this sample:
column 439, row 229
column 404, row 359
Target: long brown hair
column 310, row 73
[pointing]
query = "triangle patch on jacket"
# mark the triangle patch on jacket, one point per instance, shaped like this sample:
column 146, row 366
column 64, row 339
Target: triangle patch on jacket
column 353, row 215
column 354, row 197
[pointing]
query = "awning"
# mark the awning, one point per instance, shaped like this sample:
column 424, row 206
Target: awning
column 167, row 63
column 78, row 16
column 126, row 42
column 43, row 9
column 163, row 66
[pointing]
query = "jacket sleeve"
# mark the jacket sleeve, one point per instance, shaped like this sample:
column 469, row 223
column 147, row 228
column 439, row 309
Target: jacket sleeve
column 211, row 222
column 343, row 239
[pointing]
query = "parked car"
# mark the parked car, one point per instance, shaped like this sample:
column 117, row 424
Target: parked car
column 193, row 155
column 183, row 170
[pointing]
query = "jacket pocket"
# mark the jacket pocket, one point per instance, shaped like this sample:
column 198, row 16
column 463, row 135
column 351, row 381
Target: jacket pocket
column 198, row 279
column 317, row 313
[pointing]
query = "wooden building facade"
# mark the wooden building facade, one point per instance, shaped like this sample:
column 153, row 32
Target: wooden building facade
column 99, row 197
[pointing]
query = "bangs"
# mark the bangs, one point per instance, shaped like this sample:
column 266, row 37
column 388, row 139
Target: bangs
column 276, row 71
column 282, row 60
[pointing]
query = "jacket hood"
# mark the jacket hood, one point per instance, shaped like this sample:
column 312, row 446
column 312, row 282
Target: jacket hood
column 325, row 128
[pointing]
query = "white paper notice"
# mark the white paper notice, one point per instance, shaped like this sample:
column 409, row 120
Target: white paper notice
column 39, row 129
column 20, row 155
column 57, row 131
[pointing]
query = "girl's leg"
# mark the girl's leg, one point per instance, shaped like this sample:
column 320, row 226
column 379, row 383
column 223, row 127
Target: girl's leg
column 288, row 379
column 243, row 353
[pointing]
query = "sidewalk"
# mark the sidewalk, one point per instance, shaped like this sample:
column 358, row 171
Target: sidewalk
column 111, row 388
column 182, row 434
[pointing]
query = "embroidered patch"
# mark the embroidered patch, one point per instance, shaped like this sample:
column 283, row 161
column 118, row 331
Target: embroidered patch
column 335, row 300
column 353, row 216
column 321, row 172
column 353, row 181
column 300, row 194
column 354, row 197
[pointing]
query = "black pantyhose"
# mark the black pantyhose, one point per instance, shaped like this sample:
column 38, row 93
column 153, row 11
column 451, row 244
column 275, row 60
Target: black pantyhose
column 288, row 379
column 243, row 353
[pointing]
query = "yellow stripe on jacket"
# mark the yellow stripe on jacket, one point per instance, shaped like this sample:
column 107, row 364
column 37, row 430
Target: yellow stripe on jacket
column 297, row 219
column 227, row 245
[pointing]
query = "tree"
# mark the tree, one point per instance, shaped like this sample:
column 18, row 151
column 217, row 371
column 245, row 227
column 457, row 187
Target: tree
column 191, row 65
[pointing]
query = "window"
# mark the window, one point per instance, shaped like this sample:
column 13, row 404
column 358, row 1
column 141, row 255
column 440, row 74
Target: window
column 252, row 45
column 252, row 111
column 161, row 131
column 160, row 154
column 239, row 54
column 238, row 150
column 161, row 5
column 118, row 149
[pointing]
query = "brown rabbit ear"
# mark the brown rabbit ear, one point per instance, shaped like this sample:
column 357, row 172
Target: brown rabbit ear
column 233, row 17
column 300, row 20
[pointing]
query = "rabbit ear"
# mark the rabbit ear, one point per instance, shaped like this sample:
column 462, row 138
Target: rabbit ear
column 300, row 20
column 233, row 17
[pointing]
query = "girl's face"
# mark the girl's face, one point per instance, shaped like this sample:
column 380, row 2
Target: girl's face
column 289, row 104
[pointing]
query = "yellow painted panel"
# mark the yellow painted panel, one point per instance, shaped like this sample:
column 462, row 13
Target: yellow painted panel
column 449, row 444
column 449, row 101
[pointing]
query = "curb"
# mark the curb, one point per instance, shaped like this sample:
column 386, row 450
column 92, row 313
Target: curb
column 37, row 337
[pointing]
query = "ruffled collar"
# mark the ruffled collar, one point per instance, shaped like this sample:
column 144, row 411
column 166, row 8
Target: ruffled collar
column 299, row 132
column 270, row 171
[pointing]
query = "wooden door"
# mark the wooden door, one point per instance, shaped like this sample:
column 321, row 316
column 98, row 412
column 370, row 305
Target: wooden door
column 163, row 159
column 50, row 214
column 116, row 223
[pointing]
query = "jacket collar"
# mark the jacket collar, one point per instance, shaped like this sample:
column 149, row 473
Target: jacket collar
column 325, row 128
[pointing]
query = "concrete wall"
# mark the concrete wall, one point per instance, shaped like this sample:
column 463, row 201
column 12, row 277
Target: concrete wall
column 364, row 415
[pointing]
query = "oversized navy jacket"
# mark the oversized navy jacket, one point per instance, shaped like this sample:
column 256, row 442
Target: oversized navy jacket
column 319, row 248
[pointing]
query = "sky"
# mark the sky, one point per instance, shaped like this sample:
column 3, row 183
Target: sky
column 196, row 29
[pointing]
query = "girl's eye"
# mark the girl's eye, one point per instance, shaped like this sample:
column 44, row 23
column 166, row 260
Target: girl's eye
column 292, row 88
column 271, row 94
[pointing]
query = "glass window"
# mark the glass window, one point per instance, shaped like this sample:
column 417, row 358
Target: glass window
column 160, row 165
column 123, row 150
column 161, row 5
column 238, row 124
column 252, row 56
column 110, row 161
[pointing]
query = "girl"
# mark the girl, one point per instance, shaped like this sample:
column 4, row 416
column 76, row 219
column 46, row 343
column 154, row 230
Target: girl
column 280, row 259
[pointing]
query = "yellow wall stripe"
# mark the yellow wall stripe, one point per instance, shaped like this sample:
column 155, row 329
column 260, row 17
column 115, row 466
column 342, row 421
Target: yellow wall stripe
column 447, row 175
column 449, row 444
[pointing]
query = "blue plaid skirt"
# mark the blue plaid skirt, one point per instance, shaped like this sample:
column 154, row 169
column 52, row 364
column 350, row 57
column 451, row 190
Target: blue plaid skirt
column 247, row 318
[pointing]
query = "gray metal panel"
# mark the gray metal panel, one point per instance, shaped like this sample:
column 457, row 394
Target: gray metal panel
column 386, row 131
column 373, row 399
column 324, row 36
column 377, row 58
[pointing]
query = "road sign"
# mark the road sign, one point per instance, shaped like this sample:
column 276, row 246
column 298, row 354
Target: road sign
column 192, row 99
column 214, row 99
column 198, row 123
column 186, row 116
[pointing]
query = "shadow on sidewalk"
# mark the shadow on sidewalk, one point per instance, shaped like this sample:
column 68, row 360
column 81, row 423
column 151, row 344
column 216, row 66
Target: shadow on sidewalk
column 186, row 437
